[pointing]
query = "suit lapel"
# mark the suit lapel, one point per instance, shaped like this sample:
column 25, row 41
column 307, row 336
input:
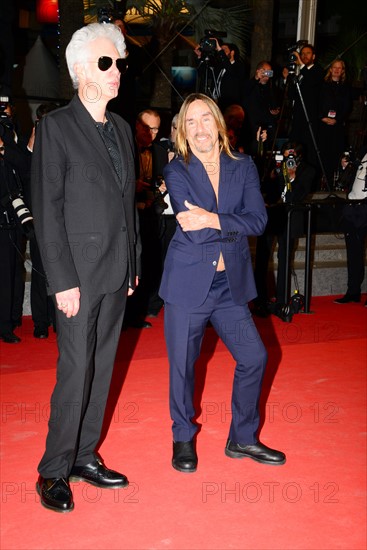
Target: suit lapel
column 225, row 178
column 121, row 139
column 204, row 188
column 199, row 173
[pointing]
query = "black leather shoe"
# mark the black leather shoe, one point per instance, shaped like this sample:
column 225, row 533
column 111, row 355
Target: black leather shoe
column 139, row 324
column 40, row 332
column 283, row 311
column 97, row 474
column 55, row 494
column 261, row 310
column 184, row 456
column 257, row 451
column 348, row 298
column 10, row 338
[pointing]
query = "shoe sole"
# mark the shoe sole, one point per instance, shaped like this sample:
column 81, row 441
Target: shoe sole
column 184, row 470
column 76, row 479
column 53, row 508
column 349, row 302
column 233, row 454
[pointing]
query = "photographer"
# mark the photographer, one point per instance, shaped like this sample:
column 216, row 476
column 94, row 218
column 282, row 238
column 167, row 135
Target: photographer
column 42, row 306
column 221, row 74
column 261, row 106
column 15, row 225
column 310, row 80
column 289, row 184
column 355, row 231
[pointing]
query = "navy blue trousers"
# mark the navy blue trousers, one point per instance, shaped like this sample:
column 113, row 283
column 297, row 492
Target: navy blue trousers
column 184, row 332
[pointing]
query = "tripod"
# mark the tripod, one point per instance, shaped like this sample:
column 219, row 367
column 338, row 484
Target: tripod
column 210, row 87
column 295, row 79
column 324, row 177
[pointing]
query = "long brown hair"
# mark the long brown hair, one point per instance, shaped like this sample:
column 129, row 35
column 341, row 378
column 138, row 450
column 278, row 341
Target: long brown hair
column 181, row 144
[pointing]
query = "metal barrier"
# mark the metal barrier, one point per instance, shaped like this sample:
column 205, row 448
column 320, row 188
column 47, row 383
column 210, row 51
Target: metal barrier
column 311, row 208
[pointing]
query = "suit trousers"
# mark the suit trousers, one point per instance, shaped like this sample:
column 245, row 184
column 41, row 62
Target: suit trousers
column 42, row 307
column 87, row 348
column 8, row 259
column 184, row 331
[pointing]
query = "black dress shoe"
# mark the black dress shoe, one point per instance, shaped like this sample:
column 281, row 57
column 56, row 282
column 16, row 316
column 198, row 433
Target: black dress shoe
column 283, row 311
column 348, row 298
column 40, row 332
column 257, row 451
column 55, row 494
column 140, row 324
column 261, row 310
column 10, row 338
column 184, row 456
column 97, row 474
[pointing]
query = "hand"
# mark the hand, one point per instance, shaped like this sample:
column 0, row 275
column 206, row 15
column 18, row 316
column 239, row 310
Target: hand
column 30, row 144
column 197, row 51
column 131, row 290
column 329, row 121
column 162, row 188
column 68, row 301
column 261, row 134
column 196, row 218
column 298, row 58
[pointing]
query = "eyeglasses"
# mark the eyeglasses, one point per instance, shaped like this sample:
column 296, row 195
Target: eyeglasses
column 105, row 62
column 153, row 129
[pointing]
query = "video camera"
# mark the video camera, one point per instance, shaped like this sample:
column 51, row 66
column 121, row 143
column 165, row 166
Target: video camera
column 292, row 58
column 107, row 14
column 208, row 44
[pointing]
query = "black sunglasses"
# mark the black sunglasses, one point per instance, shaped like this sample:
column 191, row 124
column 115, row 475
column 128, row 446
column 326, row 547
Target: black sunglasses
column 105, row 62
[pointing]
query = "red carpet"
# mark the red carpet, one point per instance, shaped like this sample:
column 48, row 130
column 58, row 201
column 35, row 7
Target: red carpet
column 313, row 405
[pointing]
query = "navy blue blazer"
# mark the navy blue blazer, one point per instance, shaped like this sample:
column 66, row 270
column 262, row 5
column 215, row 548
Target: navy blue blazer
column 192, row 256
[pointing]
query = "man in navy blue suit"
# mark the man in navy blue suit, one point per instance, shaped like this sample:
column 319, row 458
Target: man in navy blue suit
column 208, row 276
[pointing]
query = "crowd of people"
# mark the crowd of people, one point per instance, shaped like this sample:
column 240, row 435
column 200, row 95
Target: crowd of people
column 303, row 111
column 113, row 245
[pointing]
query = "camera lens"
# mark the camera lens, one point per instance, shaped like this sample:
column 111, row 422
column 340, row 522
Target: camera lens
column 291, row 163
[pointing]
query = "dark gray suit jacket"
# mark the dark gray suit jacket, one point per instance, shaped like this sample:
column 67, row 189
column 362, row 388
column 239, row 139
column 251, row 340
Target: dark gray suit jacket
column 84, row 214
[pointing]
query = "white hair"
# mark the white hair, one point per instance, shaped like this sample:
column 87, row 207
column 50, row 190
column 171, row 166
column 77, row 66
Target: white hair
column 77, row 49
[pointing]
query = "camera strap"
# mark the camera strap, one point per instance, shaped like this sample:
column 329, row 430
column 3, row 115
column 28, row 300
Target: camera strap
column 287, row 181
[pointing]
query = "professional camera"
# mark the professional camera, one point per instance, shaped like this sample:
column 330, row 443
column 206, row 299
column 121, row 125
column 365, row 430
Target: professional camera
column 159, row 205
column 292, row 65
column 292, row 58
column 105, row 15
column 208, row 44
column 23, row 214
column 108, row 14
column 4, row 102
column 291, row 161
column 5, row 119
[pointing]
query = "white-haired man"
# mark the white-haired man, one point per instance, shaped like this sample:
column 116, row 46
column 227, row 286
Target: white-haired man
column 83, row 187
